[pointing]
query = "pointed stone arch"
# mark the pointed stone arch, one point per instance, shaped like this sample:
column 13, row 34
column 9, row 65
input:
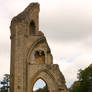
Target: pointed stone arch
column 45, row 48
column 47, row 77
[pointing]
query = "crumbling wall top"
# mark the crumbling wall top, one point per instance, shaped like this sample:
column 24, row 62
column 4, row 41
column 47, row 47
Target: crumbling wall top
column 29, row 16
column 26, row 13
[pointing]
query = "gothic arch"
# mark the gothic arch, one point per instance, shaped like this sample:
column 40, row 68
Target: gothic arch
column 47, row 77
column 29, row 50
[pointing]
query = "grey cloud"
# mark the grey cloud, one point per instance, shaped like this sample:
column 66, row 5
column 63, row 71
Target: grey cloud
column 88, row 43
column 68, row 29
column 61, row 25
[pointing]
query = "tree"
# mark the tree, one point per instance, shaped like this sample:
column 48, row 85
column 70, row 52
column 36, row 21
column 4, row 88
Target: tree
column 84, row 83
column 75, row 87
column 44, row 89
column 5, row 83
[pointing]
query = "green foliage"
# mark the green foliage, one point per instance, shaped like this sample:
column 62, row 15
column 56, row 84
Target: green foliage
column 5, row 83
column 44, row 89
column 84, row 82
column 75, row 87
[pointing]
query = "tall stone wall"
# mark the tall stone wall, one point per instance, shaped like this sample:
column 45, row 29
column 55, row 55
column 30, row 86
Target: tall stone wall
column 31, row 57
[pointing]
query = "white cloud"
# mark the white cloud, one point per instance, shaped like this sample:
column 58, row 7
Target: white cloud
column 71, row 57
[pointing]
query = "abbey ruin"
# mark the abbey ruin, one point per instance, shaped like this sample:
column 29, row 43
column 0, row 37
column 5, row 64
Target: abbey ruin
column 31, row 57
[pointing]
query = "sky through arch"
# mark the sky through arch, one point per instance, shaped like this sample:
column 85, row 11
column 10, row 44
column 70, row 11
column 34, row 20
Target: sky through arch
column 39, row 84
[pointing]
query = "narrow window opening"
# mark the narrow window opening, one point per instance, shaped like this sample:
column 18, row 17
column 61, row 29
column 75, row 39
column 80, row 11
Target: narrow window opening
column 32, row 27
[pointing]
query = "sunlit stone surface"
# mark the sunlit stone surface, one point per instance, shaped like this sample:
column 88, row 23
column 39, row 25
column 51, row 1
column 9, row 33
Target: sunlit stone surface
column 31, row 58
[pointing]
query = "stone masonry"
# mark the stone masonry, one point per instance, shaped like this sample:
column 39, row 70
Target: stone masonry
column 31, row 57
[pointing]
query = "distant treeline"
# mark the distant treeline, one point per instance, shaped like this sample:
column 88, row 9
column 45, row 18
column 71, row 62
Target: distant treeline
column 84, row 83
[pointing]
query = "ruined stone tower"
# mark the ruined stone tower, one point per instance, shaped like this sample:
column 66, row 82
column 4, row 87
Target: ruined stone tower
column 31, row 57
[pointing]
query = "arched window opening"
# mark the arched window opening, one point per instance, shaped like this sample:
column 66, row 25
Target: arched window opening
column 40, row 86
column 32, row 27
column 39, row 57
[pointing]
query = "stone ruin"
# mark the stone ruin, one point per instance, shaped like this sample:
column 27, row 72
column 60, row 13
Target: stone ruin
column 31, row 56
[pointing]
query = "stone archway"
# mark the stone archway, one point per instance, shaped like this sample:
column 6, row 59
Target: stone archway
column 39, row 45
column 47, row 77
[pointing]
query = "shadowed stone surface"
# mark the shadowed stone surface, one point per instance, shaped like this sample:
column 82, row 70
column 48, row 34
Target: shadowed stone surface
column 31, row 57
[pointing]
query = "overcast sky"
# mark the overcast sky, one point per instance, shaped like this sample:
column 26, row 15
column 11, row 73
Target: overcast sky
column 67, row 25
